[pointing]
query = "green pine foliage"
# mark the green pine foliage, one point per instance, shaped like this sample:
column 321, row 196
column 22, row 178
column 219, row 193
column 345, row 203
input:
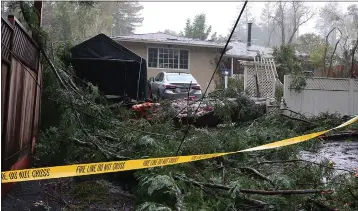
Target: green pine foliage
column 198, row 29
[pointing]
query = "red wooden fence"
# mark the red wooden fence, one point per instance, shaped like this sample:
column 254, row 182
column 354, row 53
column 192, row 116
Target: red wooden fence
column 338, row 71
column 21, row 75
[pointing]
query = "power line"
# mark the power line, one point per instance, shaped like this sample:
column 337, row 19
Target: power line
column 217, row 65
column 212, row 77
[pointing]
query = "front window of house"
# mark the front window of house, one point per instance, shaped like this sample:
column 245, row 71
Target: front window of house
column 168, row 58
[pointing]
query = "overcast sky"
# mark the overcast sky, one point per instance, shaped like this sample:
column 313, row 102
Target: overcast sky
column 159, row 16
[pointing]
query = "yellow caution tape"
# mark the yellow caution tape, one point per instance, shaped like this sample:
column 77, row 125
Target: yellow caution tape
column 116, row 166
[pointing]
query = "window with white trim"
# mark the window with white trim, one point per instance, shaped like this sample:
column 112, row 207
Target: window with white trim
column 168, row 58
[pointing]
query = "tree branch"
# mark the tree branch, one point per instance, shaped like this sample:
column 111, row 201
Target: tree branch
column 300, row 160
column 334, row 51
column 297, row 119
column 297, row 27
column 339, row 136
column 251, row 191
column 271, row 31
column 353, row 52
column 354, row 196
column 325, row 50
column 255, row 173
column 321, row 205
column 284, row 192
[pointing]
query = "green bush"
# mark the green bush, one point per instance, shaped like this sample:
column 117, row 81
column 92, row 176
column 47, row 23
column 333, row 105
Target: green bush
column 288, row 64
column 236, row 84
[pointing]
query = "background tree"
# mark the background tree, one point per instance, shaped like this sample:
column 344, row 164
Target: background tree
column 78, row 20
column 218, row 38
column 240, row 32
column 126, row 17
column 267, row 24
column 331, row 18
column 198, row 29
column 307, row 43
column 314, row 46
column 170, row 32
column 279, row 23
column 288, row 17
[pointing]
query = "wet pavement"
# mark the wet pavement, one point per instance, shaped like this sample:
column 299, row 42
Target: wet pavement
column 343, row 153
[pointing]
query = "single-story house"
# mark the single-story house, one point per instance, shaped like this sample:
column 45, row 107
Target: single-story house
column 165, row 52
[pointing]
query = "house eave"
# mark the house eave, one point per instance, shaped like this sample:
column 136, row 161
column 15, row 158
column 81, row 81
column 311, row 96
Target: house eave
column 167, row 43
column 243, row 57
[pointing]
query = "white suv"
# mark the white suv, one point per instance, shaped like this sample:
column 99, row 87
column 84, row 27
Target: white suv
column 174, row 85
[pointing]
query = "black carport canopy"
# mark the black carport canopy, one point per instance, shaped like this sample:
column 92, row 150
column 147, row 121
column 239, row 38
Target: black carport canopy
column 115, row 69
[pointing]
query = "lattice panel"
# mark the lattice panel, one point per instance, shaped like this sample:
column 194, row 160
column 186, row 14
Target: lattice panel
column 266, row 74
column 266, row 80
column 355, row 86
column 250, row 80
column 328, row 84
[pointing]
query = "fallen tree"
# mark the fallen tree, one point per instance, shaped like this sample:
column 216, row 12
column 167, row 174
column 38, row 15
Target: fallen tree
column 93, row 130
column 117, row 135
column 79, row 125
column 90, row 129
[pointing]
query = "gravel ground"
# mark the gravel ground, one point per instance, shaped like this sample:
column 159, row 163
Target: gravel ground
column 67, row 194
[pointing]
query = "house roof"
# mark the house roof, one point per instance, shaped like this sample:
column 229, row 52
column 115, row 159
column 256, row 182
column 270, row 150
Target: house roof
column 240, row 50
column 162, row 38
column 236, row 49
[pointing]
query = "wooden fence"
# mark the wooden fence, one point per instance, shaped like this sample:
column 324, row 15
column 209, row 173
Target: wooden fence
column 338, row 71
column 21, row 75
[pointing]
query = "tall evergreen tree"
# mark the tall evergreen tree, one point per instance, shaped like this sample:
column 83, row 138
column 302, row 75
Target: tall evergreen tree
column 126, row 18
column 198, row 29
column 79, row 20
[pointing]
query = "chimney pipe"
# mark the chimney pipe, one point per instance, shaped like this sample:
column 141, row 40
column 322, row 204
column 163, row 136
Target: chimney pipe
column 249, row 25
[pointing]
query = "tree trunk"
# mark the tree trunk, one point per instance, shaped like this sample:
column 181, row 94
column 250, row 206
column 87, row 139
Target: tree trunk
column 334, row 51
column 282, row 23
column 325, row 51
column 352, row 64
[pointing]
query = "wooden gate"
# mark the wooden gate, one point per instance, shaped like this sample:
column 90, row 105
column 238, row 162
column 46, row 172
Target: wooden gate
column 21, row 75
